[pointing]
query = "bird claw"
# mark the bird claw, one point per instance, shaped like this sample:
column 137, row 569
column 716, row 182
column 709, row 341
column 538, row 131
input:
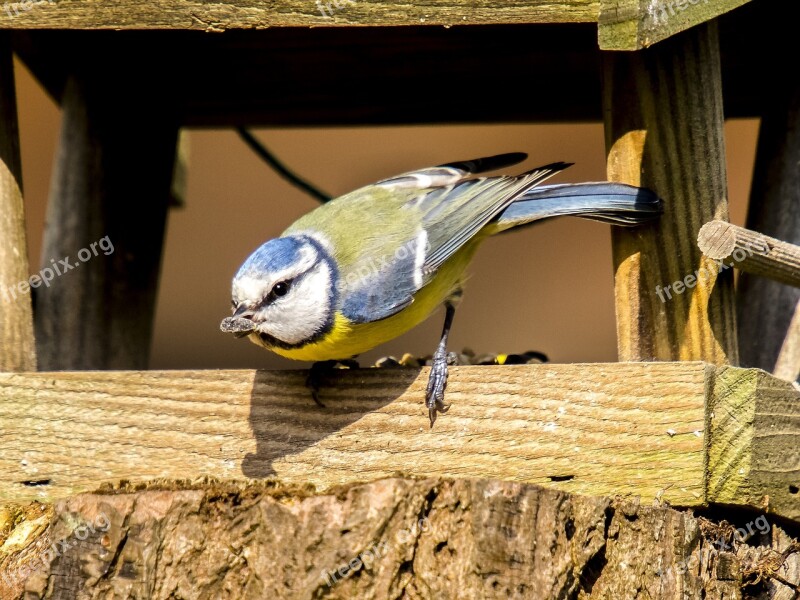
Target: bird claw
column 437, row 383
column 320, row 370
column 313, row 383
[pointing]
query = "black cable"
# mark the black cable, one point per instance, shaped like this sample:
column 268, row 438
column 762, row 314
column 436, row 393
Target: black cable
column 279, row 167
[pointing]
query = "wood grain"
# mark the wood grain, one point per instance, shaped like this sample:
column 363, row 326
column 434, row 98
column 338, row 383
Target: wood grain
column 766, row 307
column 228, row 79
column 427, row 539
column 17, row 345
column 238, row 14
column 111, row 182
column 594, row 429
column 635, row 24
column 787, row 367
column 664, row 131
column 754, row 455
column 751, row 251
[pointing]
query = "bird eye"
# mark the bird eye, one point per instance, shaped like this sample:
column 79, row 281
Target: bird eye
column 281, row 288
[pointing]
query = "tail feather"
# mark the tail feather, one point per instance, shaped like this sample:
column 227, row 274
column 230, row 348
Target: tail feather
column 615, row 203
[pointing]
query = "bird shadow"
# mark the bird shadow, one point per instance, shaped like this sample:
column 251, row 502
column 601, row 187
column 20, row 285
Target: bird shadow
column 285, row 421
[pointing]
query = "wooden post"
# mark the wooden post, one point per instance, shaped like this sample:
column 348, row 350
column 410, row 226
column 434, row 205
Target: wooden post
column 766, row 307
column 17, row 346
column 664, row 130
column 107, row 213
column 787, row 366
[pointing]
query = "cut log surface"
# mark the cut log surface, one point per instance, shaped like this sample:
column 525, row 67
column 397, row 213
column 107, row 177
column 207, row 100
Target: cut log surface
column 751, row 251
column 392, row 538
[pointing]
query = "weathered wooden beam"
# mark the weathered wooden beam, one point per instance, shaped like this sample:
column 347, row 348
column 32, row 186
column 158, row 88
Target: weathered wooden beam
column 17, row 346
column 105, row 226
column 597, row 429
column 766, row 307
column 754, row 454
column 229, row 79
column 394, row 538
column 635, row 24
column 664, row 131
column 750, row 251
column 787, row 366
column 239, row 14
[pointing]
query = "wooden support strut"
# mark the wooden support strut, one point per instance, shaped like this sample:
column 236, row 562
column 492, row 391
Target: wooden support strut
column 105, row 226
column 17, row 346
column 664, row 130
column 766, row 307
column 750, row 251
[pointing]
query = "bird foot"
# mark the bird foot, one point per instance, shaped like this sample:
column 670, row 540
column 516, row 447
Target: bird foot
column 437, row 383
column 319, row 371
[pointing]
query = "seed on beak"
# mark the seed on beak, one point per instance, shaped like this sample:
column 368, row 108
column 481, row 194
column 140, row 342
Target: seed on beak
column 238, row 326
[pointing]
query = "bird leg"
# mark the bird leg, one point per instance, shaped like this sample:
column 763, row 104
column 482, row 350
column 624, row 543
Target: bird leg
column 437, row 380
column 320, row 370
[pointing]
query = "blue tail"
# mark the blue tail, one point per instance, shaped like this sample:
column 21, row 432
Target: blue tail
column 615, row 203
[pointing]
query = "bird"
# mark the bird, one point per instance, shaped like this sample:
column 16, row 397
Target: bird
column 372, row 264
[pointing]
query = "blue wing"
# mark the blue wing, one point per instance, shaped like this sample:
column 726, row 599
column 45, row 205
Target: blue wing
column 446, row 209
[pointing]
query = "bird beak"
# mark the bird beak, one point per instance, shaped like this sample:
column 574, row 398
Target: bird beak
column 241, row 312
column 240, row 324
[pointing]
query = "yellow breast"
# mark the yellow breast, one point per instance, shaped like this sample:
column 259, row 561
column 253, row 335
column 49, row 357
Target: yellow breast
column 347, row 339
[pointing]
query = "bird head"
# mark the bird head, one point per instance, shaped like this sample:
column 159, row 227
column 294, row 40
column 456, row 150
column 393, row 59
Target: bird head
column 284, row 294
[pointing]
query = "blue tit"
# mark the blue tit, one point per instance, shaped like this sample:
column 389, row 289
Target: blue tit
column 370, row 265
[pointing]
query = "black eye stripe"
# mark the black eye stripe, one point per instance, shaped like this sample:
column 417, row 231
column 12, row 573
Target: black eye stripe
column 280, row 289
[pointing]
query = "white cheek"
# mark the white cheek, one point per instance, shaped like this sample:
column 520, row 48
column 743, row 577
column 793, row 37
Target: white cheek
column 303, row 312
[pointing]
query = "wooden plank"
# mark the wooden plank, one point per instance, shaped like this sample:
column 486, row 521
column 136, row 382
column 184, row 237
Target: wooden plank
column 593, row 429
column 664, row 131
column 754, row 454
column 17, row 345
column 635, row 24
column 106, row 218
column 238, row 14
column 766, row 307
column 229, row 79
column 750, row 251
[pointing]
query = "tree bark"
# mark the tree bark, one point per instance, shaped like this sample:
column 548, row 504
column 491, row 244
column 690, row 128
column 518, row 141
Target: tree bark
column 392, row 538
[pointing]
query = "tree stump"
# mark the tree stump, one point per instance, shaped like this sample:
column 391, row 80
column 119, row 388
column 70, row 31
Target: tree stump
column 392, row 538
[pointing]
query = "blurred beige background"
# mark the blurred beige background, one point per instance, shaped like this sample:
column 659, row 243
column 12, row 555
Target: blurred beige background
column 546, row 288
